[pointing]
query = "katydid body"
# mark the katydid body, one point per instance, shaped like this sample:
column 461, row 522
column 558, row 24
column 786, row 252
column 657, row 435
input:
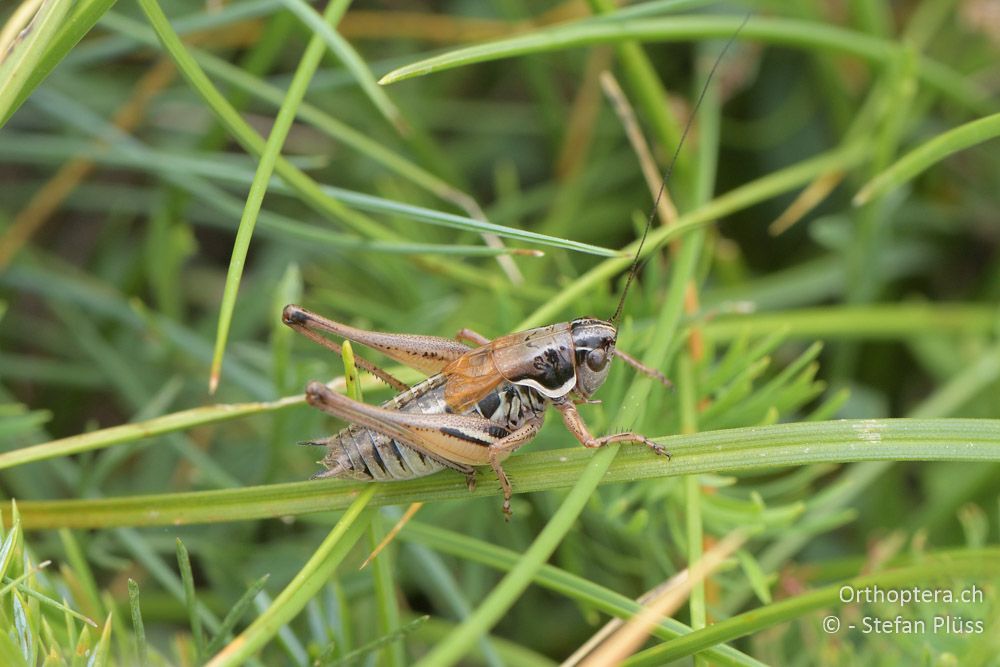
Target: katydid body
column 480, row 405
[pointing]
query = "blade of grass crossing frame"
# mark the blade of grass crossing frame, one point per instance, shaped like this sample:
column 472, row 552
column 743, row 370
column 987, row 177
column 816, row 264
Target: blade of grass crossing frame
column 350, row 60
column 790, row 32
column 929, row 153
column 310, row 579
column 778, row 445
column 282, row 124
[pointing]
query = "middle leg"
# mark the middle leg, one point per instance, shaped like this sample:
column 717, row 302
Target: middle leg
column 505, row 446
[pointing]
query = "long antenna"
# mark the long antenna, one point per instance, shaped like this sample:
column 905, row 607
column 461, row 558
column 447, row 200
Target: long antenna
column 670, row 168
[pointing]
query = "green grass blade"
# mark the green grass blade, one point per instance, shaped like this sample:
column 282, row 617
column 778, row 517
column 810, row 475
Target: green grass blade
column 180, row 168
column 750, row 448
column 191, row 602
column 924, row 156
column 261, row 89
column 27, row 51
column 380, row 205
column 243, row 133
column 313, row 576
column 344, row 52
column 142, row 651
column 53, row 603
column 352, row 386
column 384, row 579
column 125, row 433
column 786, row 32
column 78, row 24
column 275, row 140
column 234, row 615
column 388, row 640
column 737, row 199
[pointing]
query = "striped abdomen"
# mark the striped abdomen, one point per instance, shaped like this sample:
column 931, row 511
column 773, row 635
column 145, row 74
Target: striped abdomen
column 364, row 454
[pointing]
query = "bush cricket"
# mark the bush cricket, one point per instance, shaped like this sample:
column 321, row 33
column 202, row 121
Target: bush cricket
column 478, row 407
column 479, row 404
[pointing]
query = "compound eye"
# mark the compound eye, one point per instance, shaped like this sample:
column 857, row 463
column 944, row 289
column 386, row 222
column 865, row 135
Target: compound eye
column 597, row 359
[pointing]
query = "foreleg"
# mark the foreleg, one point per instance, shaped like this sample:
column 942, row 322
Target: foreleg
column 574, row 422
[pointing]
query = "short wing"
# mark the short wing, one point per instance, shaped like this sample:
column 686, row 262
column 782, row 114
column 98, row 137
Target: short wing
column 457, row 441
column 523, row 357
column 470, row 378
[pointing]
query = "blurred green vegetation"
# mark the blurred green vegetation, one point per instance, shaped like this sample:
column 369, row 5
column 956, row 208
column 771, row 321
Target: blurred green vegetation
column 159, row 174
